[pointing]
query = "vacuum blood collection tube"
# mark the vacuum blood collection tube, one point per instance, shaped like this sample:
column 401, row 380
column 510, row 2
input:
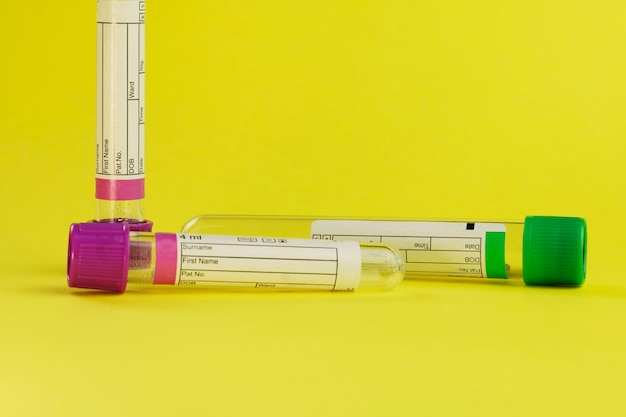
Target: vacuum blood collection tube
column 120, row 112
column 108, row 255
column 543, row 250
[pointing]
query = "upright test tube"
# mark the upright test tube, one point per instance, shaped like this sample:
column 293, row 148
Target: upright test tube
column 106, row 256
column 543, row 250
column 120, row 112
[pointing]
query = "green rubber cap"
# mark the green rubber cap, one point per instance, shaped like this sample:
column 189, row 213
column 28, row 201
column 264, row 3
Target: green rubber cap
column 555, row 251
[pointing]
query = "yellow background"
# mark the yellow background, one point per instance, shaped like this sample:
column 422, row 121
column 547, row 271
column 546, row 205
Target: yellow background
column 438, row 109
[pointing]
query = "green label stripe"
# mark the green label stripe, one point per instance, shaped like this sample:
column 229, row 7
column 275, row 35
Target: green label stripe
column 494, row 254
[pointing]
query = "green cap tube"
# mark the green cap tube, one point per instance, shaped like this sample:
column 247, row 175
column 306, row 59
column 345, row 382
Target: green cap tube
column 555, row 251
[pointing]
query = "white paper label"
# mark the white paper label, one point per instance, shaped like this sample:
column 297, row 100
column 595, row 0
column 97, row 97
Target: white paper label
column 259, row 262
column 428, row 248
column 120, row 97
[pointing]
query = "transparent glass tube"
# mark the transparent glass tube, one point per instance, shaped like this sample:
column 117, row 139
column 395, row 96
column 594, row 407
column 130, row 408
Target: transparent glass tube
column 543, row 250
column 107, row 256
column 120, row 110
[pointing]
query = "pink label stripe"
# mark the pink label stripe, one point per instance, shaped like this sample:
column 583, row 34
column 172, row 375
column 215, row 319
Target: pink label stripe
column 166, row 258
column 120, row 189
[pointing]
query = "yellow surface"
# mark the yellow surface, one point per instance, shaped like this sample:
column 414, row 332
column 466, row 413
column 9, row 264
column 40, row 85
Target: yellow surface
column 490, row 109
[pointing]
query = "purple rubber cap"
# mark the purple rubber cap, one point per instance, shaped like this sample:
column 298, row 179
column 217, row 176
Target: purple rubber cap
column 98, row 256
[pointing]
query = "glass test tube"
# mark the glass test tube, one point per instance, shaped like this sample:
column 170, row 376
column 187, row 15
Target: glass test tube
column 543, row 250
column 120, row 111
column 108, row 255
